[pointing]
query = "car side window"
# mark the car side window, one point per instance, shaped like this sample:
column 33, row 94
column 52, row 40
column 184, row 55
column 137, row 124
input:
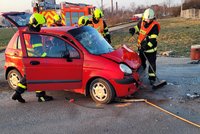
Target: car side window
column 16, row 44
column 19, row 46
column 48, row 46
column 34, row 45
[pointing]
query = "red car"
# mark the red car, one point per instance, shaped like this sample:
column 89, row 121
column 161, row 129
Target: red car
column 77, row 59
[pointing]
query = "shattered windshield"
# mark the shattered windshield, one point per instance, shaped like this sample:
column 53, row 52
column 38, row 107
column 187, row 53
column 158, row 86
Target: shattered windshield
column 91, row 40
column 21, row 19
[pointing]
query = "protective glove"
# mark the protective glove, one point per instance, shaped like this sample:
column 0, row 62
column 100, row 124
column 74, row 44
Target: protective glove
column 108, row 38
column 132, row 31
column 141, row 50
column 144, row 45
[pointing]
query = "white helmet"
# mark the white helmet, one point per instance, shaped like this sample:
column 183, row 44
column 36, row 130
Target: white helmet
column 149, row 14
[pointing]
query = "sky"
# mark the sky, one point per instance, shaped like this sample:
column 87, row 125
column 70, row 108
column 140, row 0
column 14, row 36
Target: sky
column 22, row 5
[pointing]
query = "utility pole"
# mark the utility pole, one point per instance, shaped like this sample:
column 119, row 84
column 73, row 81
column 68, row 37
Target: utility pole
column 116, row 6
column 182, row 1
column 102, row 5
column 112, row 6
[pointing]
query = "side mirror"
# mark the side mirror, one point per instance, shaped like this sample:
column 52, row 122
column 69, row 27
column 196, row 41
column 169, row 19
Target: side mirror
column 66, row 55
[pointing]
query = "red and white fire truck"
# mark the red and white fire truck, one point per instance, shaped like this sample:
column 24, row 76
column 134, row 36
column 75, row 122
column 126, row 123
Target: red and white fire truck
column 69, row 12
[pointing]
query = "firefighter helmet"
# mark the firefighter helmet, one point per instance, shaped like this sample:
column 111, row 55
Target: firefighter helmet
column 149, row 14
column 83, row 20
column 57, row 18
column 97, row 13
column 37, row 19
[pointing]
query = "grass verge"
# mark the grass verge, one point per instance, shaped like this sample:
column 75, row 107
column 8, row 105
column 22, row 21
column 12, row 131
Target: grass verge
column 177, row 35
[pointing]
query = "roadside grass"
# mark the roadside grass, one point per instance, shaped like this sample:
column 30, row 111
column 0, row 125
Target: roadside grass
column 177, row 35
column 5, row 36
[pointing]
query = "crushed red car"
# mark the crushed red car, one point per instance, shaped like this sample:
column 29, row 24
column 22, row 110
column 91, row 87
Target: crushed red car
column 77, row 59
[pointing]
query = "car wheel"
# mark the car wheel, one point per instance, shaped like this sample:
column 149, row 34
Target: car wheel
column 101, row 91
column 13, row 78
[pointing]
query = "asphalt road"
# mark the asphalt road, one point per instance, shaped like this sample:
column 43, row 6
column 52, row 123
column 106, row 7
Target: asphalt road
column 85, row 117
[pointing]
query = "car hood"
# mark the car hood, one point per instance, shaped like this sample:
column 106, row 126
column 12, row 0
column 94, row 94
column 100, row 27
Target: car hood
column 124, row 55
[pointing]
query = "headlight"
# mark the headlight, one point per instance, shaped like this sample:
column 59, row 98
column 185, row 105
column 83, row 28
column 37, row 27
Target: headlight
column 124, row 68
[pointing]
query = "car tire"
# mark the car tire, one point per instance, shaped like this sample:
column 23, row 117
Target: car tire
column 13, row 78
column 101, row 91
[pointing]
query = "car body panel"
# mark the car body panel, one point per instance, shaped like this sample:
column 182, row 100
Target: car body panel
column 75, row 74
column 13, row 55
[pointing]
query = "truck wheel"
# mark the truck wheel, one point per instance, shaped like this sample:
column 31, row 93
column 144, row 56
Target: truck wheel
column 101, row 91
column 13, row 78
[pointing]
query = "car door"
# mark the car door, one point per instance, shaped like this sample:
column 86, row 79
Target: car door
column 59, row 69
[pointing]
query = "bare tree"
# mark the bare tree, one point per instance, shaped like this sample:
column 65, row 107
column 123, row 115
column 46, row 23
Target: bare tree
column 132, row 7
column 169, row 3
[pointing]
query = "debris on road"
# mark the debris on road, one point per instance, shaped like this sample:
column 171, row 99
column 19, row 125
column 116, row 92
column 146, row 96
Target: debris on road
column 167, row 53
column 194, row 62
column 192, row 96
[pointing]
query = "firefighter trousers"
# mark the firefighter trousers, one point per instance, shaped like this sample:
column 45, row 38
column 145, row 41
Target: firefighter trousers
column 21, row 88
column 151, row 57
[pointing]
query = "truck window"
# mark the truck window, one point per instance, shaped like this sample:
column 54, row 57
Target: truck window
column 74, row 17
column 81, row 14
column 67, row 20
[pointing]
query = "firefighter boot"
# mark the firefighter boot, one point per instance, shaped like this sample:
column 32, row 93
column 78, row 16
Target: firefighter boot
column 17, row 96
column 152, row 82
column 42, row 97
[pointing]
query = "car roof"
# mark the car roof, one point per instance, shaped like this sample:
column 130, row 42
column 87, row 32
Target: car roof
column 62, row 29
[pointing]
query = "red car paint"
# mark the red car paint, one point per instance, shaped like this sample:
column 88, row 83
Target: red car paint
column 52, row 73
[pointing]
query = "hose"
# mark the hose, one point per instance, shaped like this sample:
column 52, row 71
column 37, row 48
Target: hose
column 151, row 104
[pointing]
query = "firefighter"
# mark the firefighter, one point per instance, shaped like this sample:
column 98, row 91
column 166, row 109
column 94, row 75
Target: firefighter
column 35, row 24
column 57, row 21
column 100, row 25
column 147, row 29
column 84, row 21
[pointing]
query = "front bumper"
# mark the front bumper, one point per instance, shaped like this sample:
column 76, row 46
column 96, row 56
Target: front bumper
column 126, row 86
column 126, row 81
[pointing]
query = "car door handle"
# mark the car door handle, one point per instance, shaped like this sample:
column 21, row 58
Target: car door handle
column 34, row 62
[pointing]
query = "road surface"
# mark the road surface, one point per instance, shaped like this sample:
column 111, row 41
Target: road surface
column 86, row 117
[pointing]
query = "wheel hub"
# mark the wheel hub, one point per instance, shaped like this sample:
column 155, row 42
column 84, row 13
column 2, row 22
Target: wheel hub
column 14, row 80
column 99, row 91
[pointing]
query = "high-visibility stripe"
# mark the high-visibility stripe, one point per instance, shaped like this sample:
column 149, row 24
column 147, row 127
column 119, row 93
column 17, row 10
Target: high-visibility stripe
column 49, row 16
column 98, row 29
column 37, row 45
column 150, row 44
column 145, row 31
column 106, row 28
column 38, row 91
column 142, row 32
column 152, row 74
column 22, row 86
column 139, row 41
column 136, row 29
column 42, row 98
column 44, row 54
column 151, row 50
column 153, row 36
column 106, row 33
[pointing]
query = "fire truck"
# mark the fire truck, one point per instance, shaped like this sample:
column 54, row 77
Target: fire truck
column 69, row 12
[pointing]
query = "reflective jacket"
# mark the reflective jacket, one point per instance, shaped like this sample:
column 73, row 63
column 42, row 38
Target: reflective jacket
column 148, row 34
column 99, row 26
column 102, row 28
